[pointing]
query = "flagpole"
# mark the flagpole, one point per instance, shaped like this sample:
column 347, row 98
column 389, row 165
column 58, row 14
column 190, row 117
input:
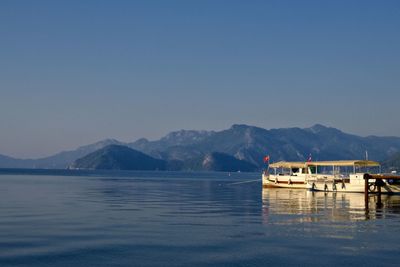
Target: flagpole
column 266, row 161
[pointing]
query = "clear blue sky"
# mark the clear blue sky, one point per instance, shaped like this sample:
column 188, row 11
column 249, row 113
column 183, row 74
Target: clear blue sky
column 75, row 72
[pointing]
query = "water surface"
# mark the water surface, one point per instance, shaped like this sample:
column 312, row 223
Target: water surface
column 69, row 218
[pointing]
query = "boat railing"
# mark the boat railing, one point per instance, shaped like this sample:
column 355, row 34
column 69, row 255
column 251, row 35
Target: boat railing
column 327, row 177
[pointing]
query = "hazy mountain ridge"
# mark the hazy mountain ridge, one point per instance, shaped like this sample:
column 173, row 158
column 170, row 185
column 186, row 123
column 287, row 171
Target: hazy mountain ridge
column 243, row 142
column 174, row 146
column 58, row 161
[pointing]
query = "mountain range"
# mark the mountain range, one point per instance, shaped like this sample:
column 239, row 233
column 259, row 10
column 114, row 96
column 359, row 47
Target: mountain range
column 188, row 149
column 117, row 157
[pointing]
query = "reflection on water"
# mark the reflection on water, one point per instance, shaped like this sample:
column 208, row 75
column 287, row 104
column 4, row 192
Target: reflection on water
column 320, row 206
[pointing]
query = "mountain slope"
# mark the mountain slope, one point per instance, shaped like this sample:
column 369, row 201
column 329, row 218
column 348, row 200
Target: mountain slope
column 63, row 159
column 9, row 162
column 117, row 157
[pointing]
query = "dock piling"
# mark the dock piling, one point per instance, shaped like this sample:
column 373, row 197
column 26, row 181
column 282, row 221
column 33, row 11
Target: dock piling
column 366, row 188
column 378, row 184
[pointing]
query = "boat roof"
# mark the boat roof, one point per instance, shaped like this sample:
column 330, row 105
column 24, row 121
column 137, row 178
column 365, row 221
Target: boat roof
column 359, row 163
column 288, row 164
column 340, row 163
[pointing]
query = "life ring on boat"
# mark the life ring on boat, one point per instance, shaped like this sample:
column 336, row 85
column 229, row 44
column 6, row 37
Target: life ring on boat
column 371, row 187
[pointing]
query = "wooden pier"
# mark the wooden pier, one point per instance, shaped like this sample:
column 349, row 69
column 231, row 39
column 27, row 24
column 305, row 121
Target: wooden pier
column 378, row 183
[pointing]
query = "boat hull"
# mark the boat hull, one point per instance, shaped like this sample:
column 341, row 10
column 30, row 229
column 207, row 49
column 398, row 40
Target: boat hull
column 352, row 188
column 283, row 182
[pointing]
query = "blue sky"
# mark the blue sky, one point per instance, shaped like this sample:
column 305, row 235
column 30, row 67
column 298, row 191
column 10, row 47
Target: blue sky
column 75, row 72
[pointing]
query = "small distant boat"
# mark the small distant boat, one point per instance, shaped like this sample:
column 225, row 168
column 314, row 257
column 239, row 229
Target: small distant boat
column 328, row 176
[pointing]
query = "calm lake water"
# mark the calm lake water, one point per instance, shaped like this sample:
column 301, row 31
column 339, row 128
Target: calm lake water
column 65, row 218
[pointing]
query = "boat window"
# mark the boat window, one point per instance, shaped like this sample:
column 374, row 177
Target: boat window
column 282, row 171
column 363, row 169
column 313, row 169
column 295, row 170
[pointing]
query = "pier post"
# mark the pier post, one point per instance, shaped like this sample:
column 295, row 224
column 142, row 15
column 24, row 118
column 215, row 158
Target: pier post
column 379, row 185
column 366, row 199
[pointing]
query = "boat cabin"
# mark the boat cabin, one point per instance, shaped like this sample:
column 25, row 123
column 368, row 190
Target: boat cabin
column 342, row 169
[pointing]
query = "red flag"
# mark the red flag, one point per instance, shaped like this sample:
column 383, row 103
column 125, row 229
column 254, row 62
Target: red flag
column 266, row 159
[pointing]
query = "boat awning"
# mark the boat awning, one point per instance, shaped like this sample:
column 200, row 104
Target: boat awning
column 287, row 164
column 344, row 163
column 337, row 163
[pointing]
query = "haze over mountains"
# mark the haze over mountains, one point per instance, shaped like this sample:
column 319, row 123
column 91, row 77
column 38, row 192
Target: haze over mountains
column 240, row 147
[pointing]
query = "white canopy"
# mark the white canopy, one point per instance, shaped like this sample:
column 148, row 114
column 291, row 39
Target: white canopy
column 338, row 163
column 344, row 163
column 287, row 164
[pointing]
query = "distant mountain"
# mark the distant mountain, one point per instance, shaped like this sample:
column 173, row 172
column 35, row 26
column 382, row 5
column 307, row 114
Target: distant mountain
column 9, row 162
column 186, row 149
column 63, row 159
column 117, row 157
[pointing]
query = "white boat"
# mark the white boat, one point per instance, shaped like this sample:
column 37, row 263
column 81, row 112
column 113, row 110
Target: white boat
column 328, row 176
